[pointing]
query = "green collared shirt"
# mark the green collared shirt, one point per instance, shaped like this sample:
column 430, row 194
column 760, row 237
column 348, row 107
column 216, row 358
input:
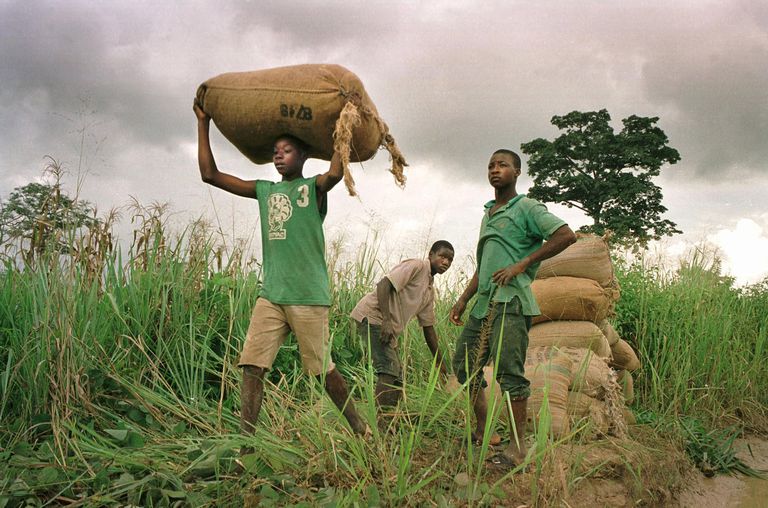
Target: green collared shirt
column 513, row 232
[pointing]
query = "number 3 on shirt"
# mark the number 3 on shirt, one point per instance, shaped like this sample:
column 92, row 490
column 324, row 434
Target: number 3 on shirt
column 303, row 200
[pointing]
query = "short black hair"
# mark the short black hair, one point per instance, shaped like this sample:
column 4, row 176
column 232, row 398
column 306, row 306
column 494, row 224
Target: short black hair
column 441, row 244
column 298, row 143
column 515, row 158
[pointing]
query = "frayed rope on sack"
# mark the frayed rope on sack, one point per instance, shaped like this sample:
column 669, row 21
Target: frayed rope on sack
column 348, row 119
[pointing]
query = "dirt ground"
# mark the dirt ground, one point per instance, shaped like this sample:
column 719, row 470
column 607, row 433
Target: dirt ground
column 655, row 475
column 731, row 491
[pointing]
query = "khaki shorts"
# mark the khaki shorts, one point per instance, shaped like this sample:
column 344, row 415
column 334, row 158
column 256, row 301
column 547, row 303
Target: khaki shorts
column 270, row 325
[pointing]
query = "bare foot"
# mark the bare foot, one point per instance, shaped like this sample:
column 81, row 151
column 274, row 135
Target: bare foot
column 507, row 460
column 477, row 438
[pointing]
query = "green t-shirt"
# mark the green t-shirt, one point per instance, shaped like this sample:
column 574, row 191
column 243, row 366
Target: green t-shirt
column 513, row 232
column 293, row 243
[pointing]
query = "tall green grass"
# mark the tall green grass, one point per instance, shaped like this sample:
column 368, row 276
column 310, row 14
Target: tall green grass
column 702, row 342
column 119, row 383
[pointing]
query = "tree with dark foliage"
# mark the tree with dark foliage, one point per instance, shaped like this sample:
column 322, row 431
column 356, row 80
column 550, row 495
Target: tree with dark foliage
column 606, row 175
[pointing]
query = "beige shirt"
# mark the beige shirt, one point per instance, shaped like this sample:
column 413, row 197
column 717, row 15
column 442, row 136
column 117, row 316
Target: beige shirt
column 413, row 296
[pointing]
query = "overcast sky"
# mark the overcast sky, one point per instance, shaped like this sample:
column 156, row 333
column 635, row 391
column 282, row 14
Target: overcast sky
column 106, row 88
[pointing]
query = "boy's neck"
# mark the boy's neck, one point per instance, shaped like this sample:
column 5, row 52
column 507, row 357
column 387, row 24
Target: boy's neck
column 505, row 194
column 290, row 178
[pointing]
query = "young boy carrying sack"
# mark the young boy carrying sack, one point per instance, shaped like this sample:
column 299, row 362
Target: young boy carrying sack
column 295, row 293
column 509, row 251
column 381, row 316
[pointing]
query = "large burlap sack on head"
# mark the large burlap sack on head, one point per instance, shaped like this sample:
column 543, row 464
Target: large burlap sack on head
column 609, row 331
column 569, row 334
column 324, row 105
column 549, row 372
column 588, row 258
column 571, row 298
column 624, row 357
column 590, row 374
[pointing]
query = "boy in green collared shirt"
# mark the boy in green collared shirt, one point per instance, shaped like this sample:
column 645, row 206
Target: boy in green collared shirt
column 511, row 246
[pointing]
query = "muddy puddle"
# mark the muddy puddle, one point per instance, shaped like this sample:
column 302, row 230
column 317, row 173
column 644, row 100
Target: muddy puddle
column 732, row 491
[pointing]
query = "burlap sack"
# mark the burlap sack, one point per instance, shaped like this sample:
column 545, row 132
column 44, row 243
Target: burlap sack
column 583, row 409
column 550, row 374
column 588, row 258
column 624, row 356
column 629, row 416
column 609, row 331
column 627, row 384
column 590, row 374
column 545, row 368
column 571, row 298
column 569, row 334
column 324, row 105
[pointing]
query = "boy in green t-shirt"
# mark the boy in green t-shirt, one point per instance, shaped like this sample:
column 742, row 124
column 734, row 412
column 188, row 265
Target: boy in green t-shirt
column 295, row 292
column 509, row 251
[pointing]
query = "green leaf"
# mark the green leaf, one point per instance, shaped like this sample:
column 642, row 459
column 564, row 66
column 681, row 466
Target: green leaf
column 174, row 494
column 125, row 479
column 117, row 434
column 134, row 440
column 373, row 498
column 49, row 476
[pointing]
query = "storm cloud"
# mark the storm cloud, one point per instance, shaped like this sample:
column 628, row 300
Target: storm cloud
column 112, row 82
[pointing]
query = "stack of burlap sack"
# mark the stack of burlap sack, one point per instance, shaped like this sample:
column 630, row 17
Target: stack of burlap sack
column 575, row 357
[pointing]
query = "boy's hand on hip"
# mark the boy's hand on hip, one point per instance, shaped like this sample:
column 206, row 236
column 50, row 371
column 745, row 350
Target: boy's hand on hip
column 503, row 276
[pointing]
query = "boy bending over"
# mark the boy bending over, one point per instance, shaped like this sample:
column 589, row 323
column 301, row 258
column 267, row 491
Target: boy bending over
column 381, row 316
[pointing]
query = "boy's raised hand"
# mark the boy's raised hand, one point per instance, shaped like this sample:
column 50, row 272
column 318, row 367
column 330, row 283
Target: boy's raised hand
column 199, row 113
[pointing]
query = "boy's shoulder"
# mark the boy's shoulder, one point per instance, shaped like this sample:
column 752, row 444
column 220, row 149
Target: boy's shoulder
column 528, row 206
column 528, row 203
column 411, row 263
column 409, row 268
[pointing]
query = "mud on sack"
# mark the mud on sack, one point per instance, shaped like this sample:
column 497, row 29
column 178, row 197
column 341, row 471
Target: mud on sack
column 324, row 105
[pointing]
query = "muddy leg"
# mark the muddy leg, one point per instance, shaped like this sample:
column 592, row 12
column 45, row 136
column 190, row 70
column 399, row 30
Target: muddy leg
column 251, row 396
column 388, row 391
column 480, row 405
column 516, row 449
column 337, row 391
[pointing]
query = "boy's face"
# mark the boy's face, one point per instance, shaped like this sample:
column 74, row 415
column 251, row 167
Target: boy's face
column 441, row 260
column 288, row 159
column 501, row 171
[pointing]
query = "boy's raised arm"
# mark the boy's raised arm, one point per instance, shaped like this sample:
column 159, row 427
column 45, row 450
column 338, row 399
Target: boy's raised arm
column 208, row 170
column 330, row 178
